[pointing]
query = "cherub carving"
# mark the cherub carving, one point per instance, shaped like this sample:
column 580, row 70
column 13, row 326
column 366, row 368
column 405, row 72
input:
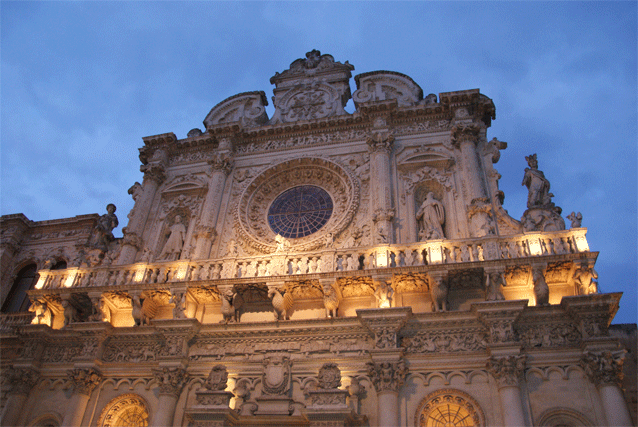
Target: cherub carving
column 576, row 219
column 585, row 278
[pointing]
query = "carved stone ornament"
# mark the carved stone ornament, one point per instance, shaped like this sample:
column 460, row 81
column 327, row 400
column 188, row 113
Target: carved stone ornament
column 604, row 367
column 463, row 132
column 507, row 370
column 445, row 342
column 122, row 409
column 217, row 379
column 247, row 108
column 276, row 378
column 387, row 376
column 84, row 380
column 170, row 380
column 260, row 193
column 20, row 380
column 329, row 376
column 380, row 141
column 386, row 85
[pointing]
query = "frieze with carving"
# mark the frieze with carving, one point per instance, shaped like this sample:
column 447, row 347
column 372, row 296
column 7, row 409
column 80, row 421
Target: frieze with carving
column 445, row 342
column 131, row 352
column 604, row 367
column 387, row 376
column 564, row 335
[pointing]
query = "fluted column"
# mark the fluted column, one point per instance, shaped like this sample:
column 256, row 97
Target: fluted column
column 387, row 378
column 171, row 382
column 380, row 145
column 84, row 381
column 20, row 381
column 154, row 175
column 507, row 371
column 604, row 368
column 205, row 232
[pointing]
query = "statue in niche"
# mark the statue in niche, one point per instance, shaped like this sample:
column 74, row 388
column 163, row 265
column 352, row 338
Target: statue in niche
column 431, row 217
column 438, row 293
column 537, row 184
column 103, row 232
column 585, row 278
column 493, row 283
column 383, row 294
column 541, row 290
column 330, row 300
column 175, row 242
column 232, row 302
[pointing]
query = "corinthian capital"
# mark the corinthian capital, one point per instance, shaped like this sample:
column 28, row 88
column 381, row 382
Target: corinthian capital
column 507, row 370
column 465, row 132
column 171, row 380
column 84, row 380
column 222, row 162
column 154, row 172
column 21, row 380
column 380, row 141
column 387, row 376
column 604, row 367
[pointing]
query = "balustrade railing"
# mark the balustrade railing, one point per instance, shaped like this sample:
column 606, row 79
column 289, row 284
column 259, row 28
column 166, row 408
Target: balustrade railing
column 322, row 261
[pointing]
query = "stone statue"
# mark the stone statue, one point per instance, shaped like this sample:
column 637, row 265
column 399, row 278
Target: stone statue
column 330, row 300
column 282, row 243
column 103, row 232
column 576, row 219
column 384, row 294
column 541, row 290
column 493, row 283
column 438, row 292
column 232, row 302
column 537, row 184
column 173, row 246
column 585, row 278
column 281, row 304
column 431, row 217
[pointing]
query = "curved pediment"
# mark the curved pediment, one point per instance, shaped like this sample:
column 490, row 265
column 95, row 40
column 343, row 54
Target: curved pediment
column 185, row 183
column 247, row 108
column 385, row 86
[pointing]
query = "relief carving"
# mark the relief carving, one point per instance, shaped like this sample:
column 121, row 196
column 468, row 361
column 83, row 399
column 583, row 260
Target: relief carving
column 387, row 376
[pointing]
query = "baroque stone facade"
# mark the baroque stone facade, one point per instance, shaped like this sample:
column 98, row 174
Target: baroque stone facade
column 317, row 268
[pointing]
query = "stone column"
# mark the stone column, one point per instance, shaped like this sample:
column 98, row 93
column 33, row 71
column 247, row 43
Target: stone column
column 507, row 371
column 604, row 368
column 20, row 382
column 171, row 382
column 154, row 175
column 84, row 381
column 380, row 146
column 205, row 231
column 465, row 137
column 387, row 378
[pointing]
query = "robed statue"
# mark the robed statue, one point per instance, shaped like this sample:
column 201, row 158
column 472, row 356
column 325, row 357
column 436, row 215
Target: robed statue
column 431, row 217
column 173, row 246
column 537, row 184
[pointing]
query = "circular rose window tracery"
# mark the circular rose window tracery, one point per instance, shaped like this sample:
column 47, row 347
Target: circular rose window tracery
column 449, row 408
column 261, row 196
column 129, row 410
column 300, row 211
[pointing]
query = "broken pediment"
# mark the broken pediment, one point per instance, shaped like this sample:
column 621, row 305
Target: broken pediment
column 314, row 87
column 247, row 108
column 385, row 86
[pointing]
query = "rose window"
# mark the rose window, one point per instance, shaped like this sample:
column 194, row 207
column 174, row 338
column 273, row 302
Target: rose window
column 300, row 211
column 449, row 408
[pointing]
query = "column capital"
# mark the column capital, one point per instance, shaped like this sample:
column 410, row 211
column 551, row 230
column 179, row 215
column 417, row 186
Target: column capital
column 154, row 172
column 170, row 380
column 604, row 367
column 131, row 238
column 387, row 375
column 380, row 142
column 84, row 380
column 22, row 380
column 222, row 162
column 507, row 370
column 465, row 132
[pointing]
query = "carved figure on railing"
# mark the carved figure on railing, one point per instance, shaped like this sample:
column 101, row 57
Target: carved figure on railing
column 576, row 219
column 282, row 244
column 173, row 246
column 438, row 293
column 541, row 290
column 103, row 231
column 585, row 277
column 537, row 184
column 409, row 257
column 302, row 265
column 232, row 302
column 70, row 313
column 330, row 241
column 465, row 254
column 382, row 234
column 232, row 249
column 352, row 263
column 312, row 265
column 493, row 283
column 261, row 269
column 330, row 300
column 383, row 294
column 42, row 313
column 281, row 304
column 431, row 217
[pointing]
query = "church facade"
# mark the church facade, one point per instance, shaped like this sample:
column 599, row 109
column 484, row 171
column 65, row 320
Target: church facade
column 315, row 268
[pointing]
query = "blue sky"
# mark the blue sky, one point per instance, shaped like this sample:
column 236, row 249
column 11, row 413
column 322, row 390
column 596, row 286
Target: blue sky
column 83, row 82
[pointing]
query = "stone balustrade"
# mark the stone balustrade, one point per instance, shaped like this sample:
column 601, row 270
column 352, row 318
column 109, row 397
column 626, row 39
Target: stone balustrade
column 322, row 261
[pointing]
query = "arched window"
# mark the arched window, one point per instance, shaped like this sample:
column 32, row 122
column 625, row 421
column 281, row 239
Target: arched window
column 129, row 410
column 449, row 408
column 563, row 417
column 17, row 300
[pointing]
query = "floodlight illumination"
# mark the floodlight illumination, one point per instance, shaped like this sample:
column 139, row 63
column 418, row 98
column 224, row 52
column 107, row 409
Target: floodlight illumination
column 535, row 246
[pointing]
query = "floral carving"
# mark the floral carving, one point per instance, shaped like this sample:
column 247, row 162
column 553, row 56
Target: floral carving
column 329, row 376
column 387, row 376
column 445, row 342
column 604, row 367
column 507, row 370
column 170, row 380
column 84, row 380
column 21, row 380
column 550, row 336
